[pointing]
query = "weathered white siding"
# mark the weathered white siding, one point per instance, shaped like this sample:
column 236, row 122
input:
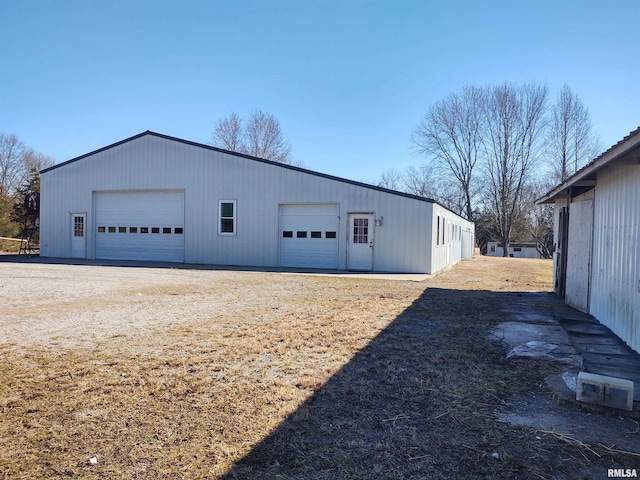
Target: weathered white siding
column 579, row 254
column 615, row 290
column 403, row 243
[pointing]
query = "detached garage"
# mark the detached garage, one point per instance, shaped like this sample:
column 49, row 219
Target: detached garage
column 155, row 197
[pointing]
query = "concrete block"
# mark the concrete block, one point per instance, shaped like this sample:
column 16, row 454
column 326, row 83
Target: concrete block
column 603, row 390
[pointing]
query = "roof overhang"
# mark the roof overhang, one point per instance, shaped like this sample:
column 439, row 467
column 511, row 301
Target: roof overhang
column 625, row 152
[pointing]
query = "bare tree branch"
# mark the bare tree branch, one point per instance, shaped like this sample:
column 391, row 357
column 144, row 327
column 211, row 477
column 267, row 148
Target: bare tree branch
column 13, row 155
column 261, row 137
column 451, row 134
column 570, row 142
column 265, row 139
column 228, row 134
column 391, row 179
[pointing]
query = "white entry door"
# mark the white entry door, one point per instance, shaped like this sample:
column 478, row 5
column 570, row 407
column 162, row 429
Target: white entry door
column 78, row 235
column 360, row 243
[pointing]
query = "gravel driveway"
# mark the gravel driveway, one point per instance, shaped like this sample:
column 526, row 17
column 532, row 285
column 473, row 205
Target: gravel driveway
column 82, row 305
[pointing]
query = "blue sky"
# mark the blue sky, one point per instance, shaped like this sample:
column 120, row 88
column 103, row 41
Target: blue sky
column 348, row 80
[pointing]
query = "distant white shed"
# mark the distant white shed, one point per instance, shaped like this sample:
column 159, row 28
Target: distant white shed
column 155, row 197
column 597, row 239
column 516, row 250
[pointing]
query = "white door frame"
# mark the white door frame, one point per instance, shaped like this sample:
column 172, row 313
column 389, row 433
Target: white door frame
column 360, row 241
column 78, row 235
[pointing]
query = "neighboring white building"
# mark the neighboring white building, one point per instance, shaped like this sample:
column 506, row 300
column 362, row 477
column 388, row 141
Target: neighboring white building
column 597, row 239
column 155, row 197
column 516, row 250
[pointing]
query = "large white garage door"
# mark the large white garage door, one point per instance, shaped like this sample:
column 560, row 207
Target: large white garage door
column 140, row 225
column 309, row 236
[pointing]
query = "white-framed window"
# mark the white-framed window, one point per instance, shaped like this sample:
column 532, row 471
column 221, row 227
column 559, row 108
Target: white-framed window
column 227, row 217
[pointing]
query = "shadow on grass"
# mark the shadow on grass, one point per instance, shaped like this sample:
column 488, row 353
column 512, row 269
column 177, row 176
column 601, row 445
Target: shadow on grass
column 417, row 402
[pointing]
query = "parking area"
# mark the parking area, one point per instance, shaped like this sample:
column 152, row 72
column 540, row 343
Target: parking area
column 85, row 304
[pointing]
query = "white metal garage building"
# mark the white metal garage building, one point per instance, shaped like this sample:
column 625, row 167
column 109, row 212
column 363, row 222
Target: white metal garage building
column 155, row 197
column 597, row 239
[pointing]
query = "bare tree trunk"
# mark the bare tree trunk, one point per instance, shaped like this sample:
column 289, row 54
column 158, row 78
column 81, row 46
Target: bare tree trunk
column 514, row 119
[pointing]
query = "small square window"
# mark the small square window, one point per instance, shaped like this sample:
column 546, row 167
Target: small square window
column 155, row 229
column 316, row 234
column 226, row 225
column 122, row 229
column 133, row 229
column 144, row 229
column 226, row 209
column 301, row 234
column 287, row 234
column 178, row 230
column 166, row 229
column 329, row 234
column 517, row 249
column 112, row 229
column 101, row 229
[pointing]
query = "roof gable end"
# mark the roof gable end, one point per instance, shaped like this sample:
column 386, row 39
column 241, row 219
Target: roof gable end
column 242, row 155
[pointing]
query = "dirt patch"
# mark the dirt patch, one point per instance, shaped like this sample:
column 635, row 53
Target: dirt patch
column 156, row 373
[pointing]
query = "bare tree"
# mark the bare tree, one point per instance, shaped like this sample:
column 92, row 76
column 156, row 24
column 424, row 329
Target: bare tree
column 260, row 137
column 515, row 125
column 570, row 141
column 422, row 181
column 13, row 155
column 451, row 135
column 228, row 134
column 535, row 222
column 265, row 139
column 19, row 167
column 391, row 179
column 426, row 181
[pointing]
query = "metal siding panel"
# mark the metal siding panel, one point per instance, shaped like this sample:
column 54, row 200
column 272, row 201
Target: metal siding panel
column 615, row 297
column 578, row 261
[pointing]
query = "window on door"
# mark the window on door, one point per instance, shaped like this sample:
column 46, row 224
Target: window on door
column 78, row 226
column 360, row 230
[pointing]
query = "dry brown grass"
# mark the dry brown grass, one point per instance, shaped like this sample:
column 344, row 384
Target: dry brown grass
column 315, row 377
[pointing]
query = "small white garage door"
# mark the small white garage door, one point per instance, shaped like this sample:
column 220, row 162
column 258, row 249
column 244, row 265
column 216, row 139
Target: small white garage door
column 140, row 225
column 309, row 236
